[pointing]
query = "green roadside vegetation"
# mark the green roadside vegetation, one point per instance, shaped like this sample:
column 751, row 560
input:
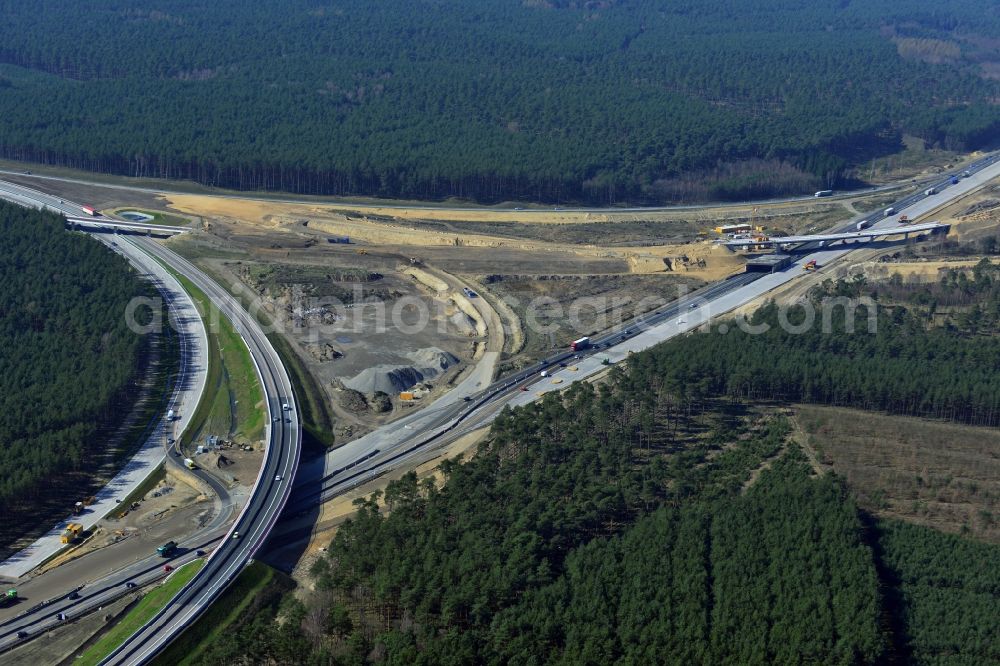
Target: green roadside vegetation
column 148, row 484
column 158, row 217
column 671, row 515
column 258, row 585
column 315, row 416
column 140, row 614
column 231, row 406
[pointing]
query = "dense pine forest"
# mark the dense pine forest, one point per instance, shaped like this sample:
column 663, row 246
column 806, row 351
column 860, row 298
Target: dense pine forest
column 917, row 362
column 68, row 361
column 668, row 516
column 603, row 102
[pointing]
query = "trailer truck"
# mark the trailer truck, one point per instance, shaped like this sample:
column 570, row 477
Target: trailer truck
column 580, row 344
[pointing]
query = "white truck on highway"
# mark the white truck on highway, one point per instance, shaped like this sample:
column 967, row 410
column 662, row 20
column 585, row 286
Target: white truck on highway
column 890, row 211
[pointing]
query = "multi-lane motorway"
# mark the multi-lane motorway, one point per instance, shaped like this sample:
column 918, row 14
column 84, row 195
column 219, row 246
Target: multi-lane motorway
column 395, row 444
column 270, row 492
column 244, row 537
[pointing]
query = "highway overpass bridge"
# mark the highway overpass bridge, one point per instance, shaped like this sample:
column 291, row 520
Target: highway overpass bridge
column 845, row 237
column 400, row 442
column 105, row 224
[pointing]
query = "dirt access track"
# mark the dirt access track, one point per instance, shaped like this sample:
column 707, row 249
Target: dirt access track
column 399, row 230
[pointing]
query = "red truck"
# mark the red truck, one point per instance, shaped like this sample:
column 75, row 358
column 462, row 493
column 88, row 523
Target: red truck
column 89, row 211
column 580, row 344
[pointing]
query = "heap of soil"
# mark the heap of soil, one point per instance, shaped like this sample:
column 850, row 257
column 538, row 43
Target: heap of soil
column 426, row 364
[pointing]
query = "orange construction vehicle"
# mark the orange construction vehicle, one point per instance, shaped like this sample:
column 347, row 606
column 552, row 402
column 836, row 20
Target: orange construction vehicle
column 71, row 533
column 810, row 265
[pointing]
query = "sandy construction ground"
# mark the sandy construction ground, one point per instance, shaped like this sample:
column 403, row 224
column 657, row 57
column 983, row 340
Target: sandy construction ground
column 710, row 262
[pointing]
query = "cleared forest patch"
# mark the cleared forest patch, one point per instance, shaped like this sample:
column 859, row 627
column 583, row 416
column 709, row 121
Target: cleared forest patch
column 931, row 473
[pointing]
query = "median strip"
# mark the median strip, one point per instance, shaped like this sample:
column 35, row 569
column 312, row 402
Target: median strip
column 141, row 613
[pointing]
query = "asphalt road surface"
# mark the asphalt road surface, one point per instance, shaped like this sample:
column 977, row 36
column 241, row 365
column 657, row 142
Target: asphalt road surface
column 400, row 441
column 270, row 492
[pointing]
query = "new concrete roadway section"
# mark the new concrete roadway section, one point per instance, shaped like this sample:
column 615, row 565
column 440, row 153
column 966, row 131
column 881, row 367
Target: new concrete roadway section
column 184, row 398
column 45, row 597
column 402, row 441
column 271, row 490
column 274, row 481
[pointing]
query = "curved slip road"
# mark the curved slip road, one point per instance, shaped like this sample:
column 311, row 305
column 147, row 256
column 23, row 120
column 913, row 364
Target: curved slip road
column 270, row 491
column 274, row 481
column 183, row 400
column 403, row 440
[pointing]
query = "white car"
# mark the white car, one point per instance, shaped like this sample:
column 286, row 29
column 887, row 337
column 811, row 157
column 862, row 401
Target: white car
column 277, row 477
column 236, row 535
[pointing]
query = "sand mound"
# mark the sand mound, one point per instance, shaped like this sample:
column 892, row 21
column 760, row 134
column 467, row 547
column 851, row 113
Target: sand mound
column 646, row 264
column 427, row 364
column 463, row 323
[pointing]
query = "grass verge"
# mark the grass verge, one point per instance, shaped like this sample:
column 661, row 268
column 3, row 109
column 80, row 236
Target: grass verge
column 141, row 613
column 255, row 583
column 158, row 217
column 233, row 398
column 317, row 422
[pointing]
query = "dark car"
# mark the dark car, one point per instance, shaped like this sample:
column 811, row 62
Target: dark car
column 22, row 634
column 467, row 398
column 200, row 553
column 74, row 595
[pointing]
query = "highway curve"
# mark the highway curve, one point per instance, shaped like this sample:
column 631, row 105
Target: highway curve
column 269, row 495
